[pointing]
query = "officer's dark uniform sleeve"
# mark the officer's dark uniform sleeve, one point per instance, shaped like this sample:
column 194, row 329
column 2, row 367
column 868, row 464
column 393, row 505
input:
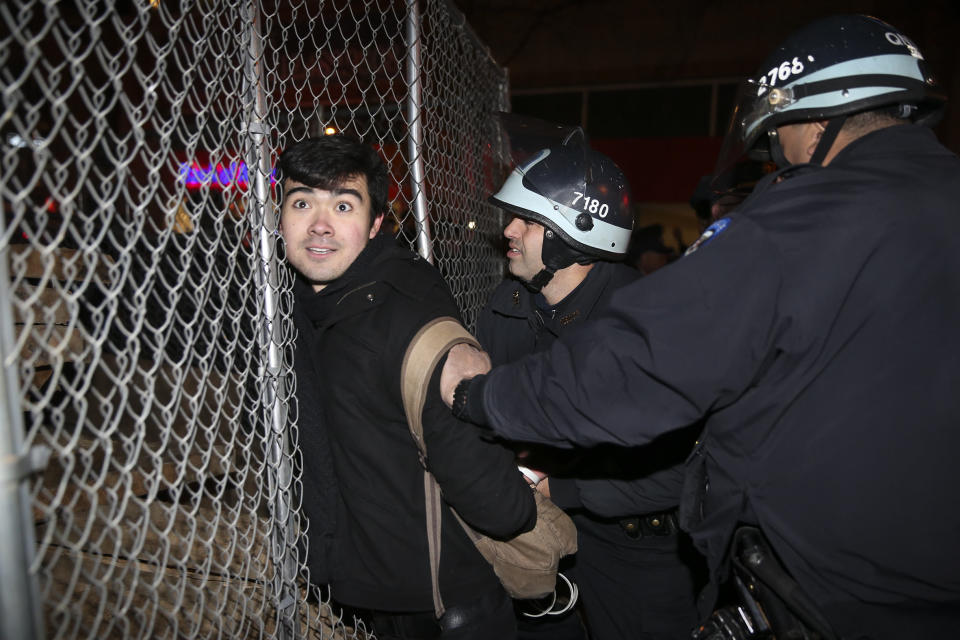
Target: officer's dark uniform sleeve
column 478, row 478
column 672, row 346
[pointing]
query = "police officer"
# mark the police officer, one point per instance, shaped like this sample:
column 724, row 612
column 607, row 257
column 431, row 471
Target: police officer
column 571, row 225
column 814, row 329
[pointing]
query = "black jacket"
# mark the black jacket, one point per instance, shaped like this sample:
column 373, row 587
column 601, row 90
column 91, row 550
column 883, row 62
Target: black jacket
column 610, row 482
column 362, row 480
column 818, row 331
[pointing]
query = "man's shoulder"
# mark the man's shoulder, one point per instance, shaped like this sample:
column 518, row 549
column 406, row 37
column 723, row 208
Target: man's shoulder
column 899, row 140
column 617, row 274
column 594, row 292
column 409, row 274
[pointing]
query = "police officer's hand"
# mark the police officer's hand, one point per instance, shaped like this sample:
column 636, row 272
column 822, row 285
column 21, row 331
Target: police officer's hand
column 463, row 361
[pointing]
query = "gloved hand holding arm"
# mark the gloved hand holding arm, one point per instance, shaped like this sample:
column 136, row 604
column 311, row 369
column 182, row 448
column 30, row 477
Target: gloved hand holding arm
column 463, row 362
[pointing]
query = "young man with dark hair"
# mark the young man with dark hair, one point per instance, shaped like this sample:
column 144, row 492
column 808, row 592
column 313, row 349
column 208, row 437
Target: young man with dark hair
column 359, row 299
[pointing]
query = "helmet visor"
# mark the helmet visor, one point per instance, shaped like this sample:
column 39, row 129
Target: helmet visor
column 529, row 139
column 526, row 135
column 745, row 137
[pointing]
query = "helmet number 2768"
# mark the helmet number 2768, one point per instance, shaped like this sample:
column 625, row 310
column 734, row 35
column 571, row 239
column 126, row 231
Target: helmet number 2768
column 783, row 71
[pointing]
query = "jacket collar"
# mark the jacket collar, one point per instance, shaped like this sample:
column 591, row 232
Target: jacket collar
column 899, row 138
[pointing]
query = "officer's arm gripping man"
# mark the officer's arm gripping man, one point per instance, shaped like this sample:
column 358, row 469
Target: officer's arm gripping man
column 478, row 478
column 673, row 346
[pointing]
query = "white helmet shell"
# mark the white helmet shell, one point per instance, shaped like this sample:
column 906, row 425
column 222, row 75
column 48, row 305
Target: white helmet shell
column 576, row 192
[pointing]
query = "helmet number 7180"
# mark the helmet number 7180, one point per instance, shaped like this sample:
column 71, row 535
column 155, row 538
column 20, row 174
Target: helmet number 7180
column 591, row 205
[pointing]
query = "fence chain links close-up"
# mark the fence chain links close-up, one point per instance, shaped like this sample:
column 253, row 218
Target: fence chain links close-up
column 149, row 435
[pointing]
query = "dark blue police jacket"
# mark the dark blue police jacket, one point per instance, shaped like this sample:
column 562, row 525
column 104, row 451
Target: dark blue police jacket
column 817, row 330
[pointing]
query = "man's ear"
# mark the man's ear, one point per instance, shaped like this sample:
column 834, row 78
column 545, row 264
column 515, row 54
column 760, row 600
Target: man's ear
column 815, row 132
column 375, row 227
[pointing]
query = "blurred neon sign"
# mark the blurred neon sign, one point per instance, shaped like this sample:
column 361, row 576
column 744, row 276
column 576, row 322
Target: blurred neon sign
column 219, row 176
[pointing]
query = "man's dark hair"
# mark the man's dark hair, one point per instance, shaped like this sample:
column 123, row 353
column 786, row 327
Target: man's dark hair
column 325, row 163
column 860, row 124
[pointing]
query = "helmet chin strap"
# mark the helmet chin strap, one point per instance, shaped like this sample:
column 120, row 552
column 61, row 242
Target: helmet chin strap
column 539, row 281
column 827, row 139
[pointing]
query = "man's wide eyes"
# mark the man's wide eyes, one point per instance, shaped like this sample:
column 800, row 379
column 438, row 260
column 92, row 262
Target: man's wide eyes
column 341, row 207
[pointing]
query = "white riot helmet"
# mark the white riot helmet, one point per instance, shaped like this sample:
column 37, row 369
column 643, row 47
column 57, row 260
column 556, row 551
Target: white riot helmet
column 581, row 198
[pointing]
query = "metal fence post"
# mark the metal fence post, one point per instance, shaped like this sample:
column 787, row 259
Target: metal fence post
column 21, row 613
column 415, row 139
column 278, row 448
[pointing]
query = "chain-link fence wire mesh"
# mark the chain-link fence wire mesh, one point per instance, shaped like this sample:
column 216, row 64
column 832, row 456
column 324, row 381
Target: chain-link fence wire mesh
column 147, row 339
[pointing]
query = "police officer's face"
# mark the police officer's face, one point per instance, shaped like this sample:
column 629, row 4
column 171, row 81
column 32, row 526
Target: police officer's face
column 325, row 231
column 525, row 240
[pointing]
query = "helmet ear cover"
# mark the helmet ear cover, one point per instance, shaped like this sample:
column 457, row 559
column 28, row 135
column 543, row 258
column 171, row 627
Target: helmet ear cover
column 557, row 254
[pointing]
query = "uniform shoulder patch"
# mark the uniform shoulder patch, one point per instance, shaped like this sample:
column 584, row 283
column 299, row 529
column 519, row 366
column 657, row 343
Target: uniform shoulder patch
column 711, row 232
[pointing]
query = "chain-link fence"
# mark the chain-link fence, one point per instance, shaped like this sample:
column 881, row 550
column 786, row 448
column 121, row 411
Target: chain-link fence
column 148, row 444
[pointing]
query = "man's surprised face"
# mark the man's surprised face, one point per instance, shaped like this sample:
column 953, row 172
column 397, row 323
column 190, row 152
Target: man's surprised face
column 325, row 231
